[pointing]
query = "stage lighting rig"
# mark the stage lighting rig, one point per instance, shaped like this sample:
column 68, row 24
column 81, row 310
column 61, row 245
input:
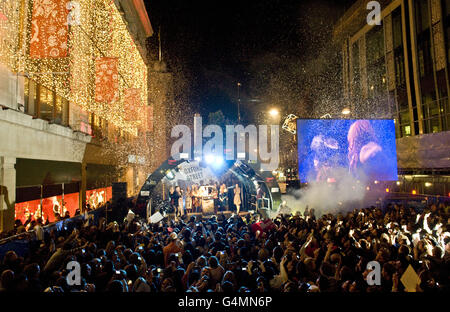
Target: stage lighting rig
column 290, row 124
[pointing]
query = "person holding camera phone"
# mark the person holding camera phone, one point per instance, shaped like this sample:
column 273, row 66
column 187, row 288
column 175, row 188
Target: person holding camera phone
column 173, row 247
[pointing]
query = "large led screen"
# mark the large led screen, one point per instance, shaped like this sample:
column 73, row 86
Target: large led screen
column 331, row 149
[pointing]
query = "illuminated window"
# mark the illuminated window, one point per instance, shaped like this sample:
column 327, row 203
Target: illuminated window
column 59, row 103
column 45, row 103
column 407, row 130
column 30, row 97
column 405, row 126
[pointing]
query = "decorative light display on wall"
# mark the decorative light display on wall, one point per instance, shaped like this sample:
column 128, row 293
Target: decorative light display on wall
column 99, row 31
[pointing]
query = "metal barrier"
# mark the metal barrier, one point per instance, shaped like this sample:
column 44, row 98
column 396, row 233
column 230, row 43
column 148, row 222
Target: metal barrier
column 418, row 201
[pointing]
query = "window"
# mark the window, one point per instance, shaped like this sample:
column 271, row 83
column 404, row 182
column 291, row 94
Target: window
column 401, row 95
column 423, row 38
column 405, row 127
column 446, row 17
column 399, row 61
column 376, row 67
column 30, row 97
column 59, row 104
column 98, row 126
column 377, row 92
column 425, row 62
column 397, row 27
column 431, row 116
column 45, row 103
column 422, row 15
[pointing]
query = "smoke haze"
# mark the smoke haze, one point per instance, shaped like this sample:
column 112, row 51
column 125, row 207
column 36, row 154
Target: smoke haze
column 342, row 196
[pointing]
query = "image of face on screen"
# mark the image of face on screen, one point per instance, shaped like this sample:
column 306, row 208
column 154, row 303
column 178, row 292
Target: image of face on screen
column 325, row 151
column 365, row 154
column 330, row 149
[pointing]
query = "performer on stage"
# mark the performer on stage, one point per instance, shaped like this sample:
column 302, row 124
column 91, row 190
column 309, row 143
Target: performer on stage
column 260, row 195
column 188, row 199
column 216, row 196
column 223, row 197
column 172, row 199
column 237, row 197
column 179, row 201
column 196, row 200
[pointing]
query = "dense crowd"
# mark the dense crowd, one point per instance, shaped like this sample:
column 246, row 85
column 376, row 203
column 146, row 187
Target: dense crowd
column 297, row 253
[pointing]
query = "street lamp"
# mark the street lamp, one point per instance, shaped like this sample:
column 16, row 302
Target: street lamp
column 346, row 111
column 274, row 112
column 239, row 101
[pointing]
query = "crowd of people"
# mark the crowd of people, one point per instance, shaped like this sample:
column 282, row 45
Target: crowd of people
column 299, row 252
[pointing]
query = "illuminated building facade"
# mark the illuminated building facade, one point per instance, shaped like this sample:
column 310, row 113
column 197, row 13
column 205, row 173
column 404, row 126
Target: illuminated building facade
column 65, row 134
column 400, row 69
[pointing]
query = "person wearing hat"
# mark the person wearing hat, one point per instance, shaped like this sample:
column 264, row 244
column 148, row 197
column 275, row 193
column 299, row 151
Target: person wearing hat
column 172, row 248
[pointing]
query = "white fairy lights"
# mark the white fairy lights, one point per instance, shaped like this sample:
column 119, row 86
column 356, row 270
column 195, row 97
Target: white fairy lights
column 101, row 32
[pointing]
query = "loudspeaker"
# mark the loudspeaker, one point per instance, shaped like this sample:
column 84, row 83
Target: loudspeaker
column 119, row 192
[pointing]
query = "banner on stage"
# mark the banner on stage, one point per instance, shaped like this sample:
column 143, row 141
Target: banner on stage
column 192, row 172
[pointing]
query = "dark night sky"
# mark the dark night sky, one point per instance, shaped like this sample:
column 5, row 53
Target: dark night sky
column 211, row 45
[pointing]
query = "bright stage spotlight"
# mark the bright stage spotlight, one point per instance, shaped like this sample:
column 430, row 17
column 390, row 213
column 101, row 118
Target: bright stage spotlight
column 219, row 161
column 209, row 159
column 170, row 175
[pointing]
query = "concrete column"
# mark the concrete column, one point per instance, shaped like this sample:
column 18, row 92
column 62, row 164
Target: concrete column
column 83, row 187
column 7, row 192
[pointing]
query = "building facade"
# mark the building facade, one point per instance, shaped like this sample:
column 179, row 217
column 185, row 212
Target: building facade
column 65, row 134
column 161, row 99
column 400, row 69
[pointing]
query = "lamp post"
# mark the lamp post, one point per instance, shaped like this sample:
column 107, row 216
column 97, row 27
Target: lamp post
column 274, row 112
column 346, row 111
column 239, row 101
